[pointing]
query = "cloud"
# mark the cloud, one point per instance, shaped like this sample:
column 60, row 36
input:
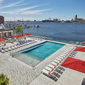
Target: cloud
column 21, row 4
column 27, row 8
column 26, row 12
column 34, row 12
column 23, row 10
column 11, row 5
column 24, row 4
column 7, row 12
column 1, row 1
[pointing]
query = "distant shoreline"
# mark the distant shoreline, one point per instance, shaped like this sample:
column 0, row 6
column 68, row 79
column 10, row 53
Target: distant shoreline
column 44, row 21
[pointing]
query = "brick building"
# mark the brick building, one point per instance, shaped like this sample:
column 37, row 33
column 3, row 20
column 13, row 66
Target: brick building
column 1, row 20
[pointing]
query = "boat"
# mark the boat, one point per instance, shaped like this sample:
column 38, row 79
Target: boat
column 37, row 26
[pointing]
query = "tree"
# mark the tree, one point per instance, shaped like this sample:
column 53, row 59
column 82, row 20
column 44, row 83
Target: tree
column 18, row 30
column 4, row 80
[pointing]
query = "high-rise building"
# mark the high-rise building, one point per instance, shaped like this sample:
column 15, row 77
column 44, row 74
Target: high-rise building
column 1, row 20
column 75, row 17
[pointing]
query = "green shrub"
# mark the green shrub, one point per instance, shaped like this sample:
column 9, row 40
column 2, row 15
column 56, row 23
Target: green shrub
column 4, row 80
column 18, row 30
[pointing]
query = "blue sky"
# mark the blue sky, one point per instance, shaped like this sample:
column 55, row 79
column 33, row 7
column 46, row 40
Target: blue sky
column 42, row 9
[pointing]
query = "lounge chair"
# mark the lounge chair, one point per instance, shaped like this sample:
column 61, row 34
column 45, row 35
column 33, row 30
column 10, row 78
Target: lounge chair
column 57, row 61
column 15, row 46
column 51, row 66
column 59, row 71
column 48, row 68
column 2, row 44
column 60, row 57
column 53, row 63
column 56, row 74
column 45, row 71
column 6, row 49
column 61, row 68
column 20, row 44
column 12, row 48
column 62, row 54
column 65, row 52
column 2, row 51
column 53, row 77
column 9, row 48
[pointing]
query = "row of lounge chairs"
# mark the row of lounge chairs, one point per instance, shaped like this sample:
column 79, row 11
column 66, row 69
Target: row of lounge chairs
column 73, row 54
column 15, row 46
column 56, row 73
column 51, row 69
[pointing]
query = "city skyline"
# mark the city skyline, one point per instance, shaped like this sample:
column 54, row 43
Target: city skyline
column 39, row 10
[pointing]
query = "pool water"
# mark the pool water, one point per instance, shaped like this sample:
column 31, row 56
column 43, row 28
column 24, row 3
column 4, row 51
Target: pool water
column 35, row 54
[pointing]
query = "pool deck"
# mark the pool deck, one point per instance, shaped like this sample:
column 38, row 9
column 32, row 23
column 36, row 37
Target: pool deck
column 20, row 73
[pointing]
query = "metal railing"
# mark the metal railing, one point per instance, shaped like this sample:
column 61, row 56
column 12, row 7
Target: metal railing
column 59, row 40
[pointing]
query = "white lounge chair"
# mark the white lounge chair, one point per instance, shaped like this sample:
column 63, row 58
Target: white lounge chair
column 6, row 49
column 12, row 48
column 45, row 71
column 15, row 46
column 2, row 44
column 9, row 49
column 53, row 63
column 21, row 45
column 60, row 57
column 63, row 54
column 48, row 68
column 2, row 51
column 51, row 66
column 18, row 46
column 56, row 61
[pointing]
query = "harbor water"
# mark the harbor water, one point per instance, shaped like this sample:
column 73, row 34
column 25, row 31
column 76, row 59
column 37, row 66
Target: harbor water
column 58, row 31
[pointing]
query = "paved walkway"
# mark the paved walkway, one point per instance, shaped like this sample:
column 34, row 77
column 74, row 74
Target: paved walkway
column 20, row 73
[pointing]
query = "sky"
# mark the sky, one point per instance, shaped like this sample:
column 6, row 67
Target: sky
column 42, row 9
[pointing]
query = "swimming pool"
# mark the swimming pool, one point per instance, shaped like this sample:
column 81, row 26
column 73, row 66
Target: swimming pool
column 35, row 54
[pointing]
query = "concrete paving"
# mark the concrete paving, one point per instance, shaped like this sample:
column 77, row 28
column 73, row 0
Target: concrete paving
column 20, row 73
